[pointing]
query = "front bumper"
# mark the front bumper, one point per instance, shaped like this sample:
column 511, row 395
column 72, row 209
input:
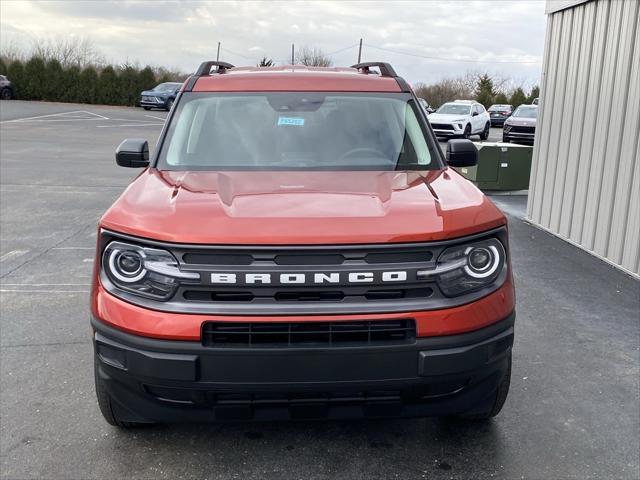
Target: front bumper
column 154, row 102
column 518, row 136
column 153, row 380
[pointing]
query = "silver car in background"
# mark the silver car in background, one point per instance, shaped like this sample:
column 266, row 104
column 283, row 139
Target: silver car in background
column 520, row 127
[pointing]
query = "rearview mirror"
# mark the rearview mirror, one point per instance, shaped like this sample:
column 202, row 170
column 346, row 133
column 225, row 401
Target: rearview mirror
column 461, row 153
column 133, row 153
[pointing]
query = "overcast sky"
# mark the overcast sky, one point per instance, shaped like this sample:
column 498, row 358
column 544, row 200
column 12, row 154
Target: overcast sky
column 182, row 34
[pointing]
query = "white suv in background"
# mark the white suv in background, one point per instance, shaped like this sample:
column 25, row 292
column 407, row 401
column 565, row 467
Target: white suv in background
column 461, row 118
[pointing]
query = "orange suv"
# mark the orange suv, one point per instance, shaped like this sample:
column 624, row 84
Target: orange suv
column 298, row 247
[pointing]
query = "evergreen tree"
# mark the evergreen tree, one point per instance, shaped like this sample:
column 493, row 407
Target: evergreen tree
column 71, row 79
column 129, row 86
column 15, row 73
column 517, row 98
column 484, row 90
column 501, row 99
column 146, row 79
column 3, row 67
column 108, row 91
column 88, row 85
column 265, row 62
column 535, row 93
column 34, row 79
column 55, row 86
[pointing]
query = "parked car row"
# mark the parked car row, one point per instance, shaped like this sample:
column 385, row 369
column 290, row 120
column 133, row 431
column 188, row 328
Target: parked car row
column 463, row 118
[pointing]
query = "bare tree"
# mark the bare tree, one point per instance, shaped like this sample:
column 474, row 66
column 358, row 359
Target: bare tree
column 312, row 57
column 444, row 91
column 11, row 51
column 69, row 51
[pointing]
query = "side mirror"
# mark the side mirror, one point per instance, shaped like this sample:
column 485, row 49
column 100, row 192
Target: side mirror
column 461, row 153
column 474, row 114
column 133, row 153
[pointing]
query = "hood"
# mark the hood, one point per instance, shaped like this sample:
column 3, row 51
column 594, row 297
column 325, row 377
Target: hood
column 296, row 208
column 445, row 117
column 521, row 121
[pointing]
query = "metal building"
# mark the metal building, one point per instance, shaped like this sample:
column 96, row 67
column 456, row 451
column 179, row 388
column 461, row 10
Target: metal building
column 585, row 177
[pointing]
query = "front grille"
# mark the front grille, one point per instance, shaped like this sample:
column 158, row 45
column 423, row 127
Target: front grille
column 441, row 126
column 308, row 334
column 231, row 294
column 522, row 129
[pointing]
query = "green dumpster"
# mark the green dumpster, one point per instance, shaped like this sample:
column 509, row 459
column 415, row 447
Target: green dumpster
column 501, row 166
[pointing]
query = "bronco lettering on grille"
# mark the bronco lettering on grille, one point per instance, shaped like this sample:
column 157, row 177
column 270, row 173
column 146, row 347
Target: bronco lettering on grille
column 304, row 278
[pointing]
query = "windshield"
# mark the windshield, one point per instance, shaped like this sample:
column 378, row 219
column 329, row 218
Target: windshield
column 296, row 131
column 166, row 87
column 454, row 109
column 526, row 112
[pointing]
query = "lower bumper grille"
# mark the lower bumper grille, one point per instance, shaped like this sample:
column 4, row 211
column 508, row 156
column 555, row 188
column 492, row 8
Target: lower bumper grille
column 308, row 334
column 441, row 126
column 517, row 129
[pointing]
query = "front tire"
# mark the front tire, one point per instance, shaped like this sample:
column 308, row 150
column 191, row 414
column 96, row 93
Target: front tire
column 6, row 94
column 147, row 108
column 485, row 133
column 467, row 132
column 169, row 104
column 104, row 402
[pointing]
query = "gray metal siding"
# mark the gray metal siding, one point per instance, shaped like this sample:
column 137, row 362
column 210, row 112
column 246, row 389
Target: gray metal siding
column 585, row 178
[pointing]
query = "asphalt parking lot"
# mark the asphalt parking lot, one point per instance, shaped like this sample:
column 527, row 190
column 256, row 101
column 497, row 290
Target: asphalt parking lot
column 573, row 410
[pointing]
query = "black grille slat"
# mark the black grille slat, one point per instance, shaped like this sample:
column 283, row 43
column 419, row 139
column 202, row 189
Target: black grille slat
column 441, row 126
column 522, row 129
column 320, row 334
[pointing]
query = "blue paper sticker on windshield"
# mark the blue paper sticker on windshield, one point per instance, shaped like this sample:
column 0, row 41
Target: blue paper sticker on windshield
column 297, row 122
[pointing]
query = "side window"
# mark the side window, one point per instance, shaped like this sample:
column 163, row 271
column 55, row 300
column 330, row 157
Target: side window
column 474, row 109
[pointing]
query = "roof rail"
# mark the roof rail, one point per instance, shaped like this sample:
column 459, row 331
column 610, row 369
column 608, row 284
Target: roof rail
column 386, row 70
column 204, row 70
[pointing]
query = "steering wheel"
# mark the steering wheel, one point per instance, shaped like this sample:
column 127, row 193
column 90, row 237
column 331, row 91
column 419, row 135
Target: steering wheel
column 360, row 150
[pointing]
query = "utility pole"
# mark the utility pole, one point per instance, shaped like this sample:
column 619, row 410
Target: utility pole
column 293, row 55
column 360, row 51
column 218, row 54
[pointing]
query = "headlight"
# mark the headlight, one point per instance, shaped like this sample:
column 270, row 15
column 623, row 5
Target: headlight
column 464, row 268
column 149, row 272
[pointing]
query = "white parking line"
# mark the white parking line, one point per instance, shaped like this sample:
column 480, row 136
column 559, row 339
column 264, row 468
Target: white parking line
column 12, row 254
column 153, row 116
column 60, row 117
column 6, row 290
column 131, row 125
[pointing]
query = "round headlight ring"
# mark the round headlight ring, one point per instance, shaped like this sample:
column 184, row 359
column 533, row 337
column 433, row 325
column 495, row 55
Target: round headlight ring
column 485, row 271
column 116, row 259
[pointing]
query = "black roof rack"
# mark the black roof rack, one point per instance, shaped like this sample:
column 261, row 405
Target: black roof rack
column 204, row 70
column 386, row 70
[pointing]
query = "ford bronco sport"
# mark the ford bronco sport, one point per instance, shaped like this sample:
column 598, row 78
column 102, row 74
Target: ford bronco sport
column 298, row 247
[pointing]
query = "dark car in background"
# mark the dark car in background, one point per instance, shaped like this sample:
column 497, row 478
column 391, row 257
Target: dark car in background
column 161, row 96
column 6, row 90
column 499, row 113
column 521, row 126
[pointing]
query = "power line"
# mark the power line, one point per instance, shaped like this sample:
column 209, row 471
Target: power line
column 343, row 49
column 237, row 54
column 450, row 59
